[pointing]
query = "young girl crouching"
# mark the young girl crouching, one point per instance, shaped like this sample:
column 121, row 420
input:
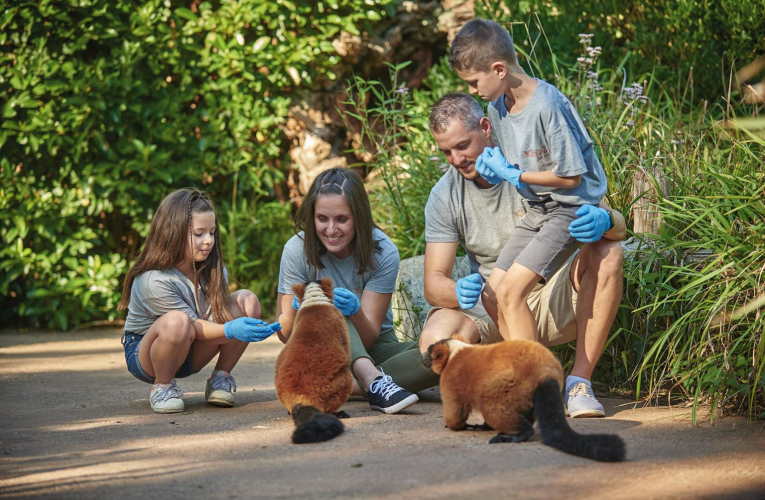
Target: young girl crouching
column 179, row 312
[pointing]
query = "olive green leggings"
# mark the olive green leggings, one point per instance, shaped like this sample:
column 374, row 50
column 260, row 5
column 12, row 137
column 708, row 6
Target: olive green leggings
column 400, row 360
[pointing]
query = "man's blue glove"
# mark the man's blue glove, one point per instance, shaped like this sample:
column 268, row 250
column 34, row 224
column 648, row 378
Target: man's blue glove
column 469, row 290
column 249, row 329
column 295, row 303
column 493, row 161
column 346, row 301
column 592, row 223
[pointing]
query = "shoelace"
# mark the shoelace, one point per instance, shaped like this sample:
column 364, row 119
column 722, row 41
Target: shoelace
column 224, row 382
column 385, row 386
column 581, row 389
column 171, row 390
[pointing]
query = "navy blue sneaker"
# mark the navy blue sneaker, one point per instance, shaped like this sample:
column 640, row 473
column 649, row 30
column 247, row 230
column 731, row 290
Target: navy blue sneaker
column 387, row 397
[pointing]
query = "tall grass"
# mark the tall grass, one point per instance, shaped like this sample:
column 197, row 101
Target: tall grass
column 691, row 323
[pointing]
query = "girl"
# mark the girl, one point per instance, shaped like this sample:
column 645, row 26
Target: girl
column 337, row 238
column 180, row 315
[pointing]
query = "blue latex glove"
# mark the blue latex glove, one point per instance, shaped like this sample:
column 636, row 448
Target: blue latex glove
column 592, row 223
column 469, row 290
column 346, row 301
column 295, row 303
column 493, row 161
column 249, row 329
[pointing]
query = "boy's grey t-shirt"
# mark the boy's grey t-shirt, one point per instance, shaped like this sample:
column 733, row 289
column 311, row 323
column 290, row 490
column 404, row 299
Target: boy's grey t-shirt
column 481, row 220
column 294, row 269
column 549, row 135
column 157, row 292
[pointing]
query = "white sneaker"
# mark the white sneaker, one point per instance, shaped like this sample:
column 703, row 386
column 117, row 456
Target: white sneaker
column 166, row 398
column 220, row 389
column 582, row 403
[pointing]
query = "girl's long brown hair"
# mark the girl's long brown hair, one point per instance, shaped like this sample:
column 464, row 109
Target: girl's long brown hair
column 166, row 244
column 348, row 184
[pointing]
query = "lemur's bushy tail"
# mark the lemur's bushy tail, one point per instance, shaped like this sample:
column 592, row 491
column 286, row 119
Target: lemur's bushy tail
column 314, row 426
column 555, row 431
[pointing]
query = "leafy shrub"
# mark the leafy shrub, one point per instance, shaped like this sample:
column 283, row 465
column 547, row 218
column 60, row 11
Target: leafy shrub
column 675, row 40
column 110, row 105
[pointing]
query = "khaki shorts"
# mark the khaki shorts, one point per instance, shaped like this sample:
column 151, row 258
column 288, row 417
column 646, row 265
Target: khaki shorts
column 553, row 305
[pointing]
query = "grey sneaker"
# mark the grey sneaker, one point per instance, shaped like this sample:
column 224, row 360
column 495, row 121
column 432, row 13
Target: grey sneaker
column 220, row 389
column 166, row 398
column 581, row 402
column 387, row 397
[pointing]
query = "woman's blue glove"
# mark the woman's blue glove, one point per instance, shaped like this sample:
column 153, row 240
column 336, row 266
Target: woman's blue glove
column 469, row 290
column 493, row 167
column 249, row 329
column 592, row 223
column 295, row 303
column 346, row 301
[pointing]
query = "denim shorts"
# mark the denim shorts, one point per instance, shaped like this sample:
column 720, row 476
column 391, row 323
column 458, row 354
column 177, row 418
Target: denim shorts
column 130, row 342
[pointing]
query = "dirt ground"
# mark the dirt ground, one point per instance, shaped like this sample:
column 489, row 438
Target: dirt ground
column 76, row 425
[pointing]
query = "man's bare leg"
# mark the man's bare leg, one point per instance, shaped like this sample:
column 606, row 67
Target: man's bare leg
column 444, row 324
column 597, row 276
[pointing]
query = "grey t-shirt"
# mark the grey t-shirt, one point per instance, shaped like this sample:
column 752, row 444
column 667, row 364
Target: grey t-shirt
column 481, row 220
column 157, row 292
column 548, row 135
column 295, row 269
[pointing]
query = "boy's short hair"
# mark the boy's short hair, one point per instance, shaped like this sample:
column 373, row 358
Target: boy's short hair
column 456, row 106
column 478, row 44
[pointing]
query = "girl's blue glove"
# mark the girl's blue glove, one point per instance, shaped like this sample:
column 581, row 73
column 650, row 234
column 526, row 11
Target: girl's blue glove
column 346, row 301
column 592, row 223
column 295, row 303
column 249, row 329
column 493, row 167
column 469, row 290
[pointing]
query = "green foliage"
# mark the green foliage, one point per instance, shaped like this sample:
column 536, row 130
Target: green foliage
column 678, row 39
column 681, row 325
column 110, row 105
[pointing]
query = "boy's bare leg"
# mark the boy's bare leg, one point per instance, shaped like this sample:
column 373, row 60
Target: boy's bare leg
column 512, row 299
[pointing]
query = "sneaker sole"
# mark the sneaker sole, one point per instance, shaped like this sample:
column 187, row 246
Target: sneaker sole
column 401, row 405
column 587, row 414
column 221, row 402
column 168, row 410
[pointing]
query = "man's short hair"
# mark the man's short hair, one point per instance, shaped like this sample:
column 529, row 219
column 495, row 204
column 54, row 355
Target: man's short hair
column 457, row 106
column 478, row 44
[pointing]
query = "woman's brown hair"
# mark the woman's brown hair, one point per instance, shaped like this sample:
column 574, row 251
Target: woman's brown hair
column 348, row 184
column 166, row 244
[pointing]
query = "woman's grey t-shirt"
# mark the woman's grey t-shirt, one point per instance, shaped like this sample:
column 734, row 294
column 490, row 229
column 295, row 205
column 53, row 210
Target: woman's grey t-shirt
column 294, row 269
column 549, row 135
column 157, row 292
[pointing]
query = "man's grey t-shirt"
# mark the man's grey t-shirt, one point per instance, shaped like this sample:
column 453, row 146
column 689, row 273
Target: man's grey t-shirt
column 549, row 135
column 157, row 292
column 481, row 220
column 294, row 269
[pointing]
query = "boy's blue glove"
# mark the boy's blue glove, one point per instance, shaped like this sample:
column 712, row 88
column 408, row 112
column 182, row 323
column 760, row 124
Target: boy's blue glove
column 346, row 301
column 295, row 303
column 592, row 223
column 469, row 290
column 249, row 329
column 492, row 165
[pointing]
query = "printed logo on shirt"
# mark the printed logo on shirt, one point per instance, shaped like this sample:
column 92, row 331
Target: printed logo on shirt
column 540, row 154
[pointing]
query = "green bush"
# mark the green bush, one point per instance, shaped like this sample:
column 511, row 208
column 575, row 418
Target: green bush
column 110, row 105
column 675, row 40
column 686, row 326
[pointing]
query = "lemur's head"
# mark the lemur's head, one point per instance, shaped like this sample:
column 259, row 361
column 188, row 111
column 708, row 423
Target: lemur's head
column 314, row 292
column 439, row 353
